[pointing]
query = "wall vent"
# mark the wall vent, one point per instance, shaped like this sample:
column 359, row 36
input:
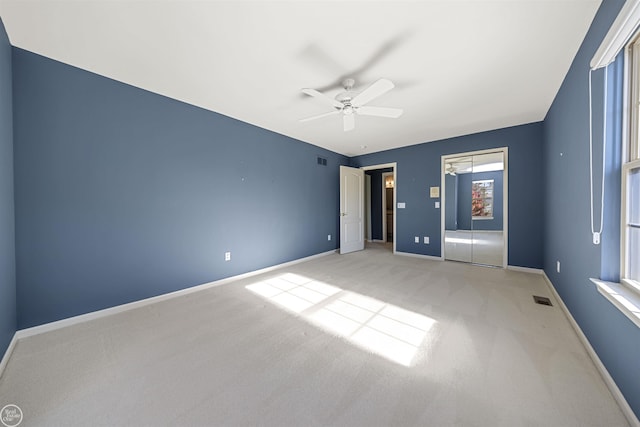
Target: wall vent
column 322, row 161
column 542, row 300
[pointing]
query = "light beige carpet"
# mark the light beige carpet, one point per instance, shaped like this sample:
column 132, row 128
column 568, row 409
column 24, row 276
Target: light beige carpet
column 365, row 339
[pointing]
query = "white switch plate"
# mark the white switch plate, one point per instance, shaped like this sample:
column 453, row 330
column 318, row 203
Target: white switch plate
column 401, row 205
column 437, row 205
column 227, row 256
column 417, row 239
column 558, row 266
column 426, row 240
column 328, row 236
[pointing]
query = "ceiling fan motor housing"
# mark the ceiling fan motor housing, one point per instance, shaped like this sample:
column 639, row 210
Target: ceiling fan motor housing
column 346, row 96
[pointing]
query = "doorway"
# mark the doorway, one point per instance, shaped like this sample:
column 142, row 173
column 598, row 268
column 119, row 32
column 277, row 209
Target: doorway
column 474, row 214
column 381, row 204
column 388, row 188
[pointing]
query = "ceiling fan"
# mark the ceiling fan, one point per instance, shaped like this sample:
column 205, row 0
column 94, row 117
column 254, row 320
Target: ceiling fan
column 351, row 102
column 458, row 165
column 450, row 169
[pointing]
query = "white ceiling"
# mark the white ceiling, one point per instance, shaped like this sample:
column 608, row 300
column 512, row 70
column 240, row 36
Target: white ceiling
column 460, row 66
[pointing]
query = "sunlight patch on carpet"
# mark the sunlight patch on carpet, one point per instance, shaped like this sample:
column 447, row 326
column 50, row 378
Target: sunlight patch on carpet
column 384, row 329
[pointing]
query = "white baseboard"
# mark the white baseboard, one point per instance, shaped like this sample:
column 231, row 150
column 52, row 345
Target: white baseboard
column 525, row 269
column 611, row 384
column 429, row 257
column 7, row 354
column 510, row 267
column 152, row 300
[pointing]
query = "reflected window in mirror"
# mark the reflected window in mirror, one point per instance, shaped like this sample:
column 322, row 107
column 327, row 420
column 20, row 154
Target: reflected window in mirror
column 482, row 199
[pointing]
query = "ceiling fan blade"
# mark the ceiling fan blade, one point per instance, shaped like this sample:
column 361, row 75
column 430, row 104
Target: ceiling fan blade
column 393, row 113
column 320, row 95
column 319, row 116
column 377, row 88
column 381, row 53
column 349, row 122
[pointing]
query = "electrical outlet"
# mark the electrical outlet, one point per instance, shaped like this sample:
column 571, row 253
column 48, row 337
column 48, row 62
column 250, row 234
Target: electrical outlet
column 227, row 256
column 417, row 239
column 558, row 266
column 328, row 236
column 426, row 240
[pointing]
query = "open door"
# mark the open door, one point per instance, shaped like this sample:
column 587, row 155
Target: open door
column 351, row 209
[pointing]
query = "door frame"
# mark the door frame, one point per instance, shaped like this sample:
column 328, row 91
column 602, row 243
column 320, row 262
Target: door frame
column 393, row 165
column 367, row 207
column 505, row 197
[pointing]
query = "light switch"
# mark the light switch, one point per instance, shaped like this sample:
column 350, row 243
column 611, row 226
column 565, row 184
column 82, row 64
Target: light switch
column 437, row 205
column 401, row 205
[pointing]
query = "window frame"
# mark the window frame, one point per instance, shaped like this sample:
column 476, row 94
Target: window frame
column 631, row 153
column 625, row 256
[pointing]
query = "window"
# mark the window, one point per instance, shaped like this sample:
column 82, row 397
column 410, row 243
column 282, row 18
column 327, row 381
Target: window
column 482, row 199
column 630, row 238
column 625, row 296
column 632, row 223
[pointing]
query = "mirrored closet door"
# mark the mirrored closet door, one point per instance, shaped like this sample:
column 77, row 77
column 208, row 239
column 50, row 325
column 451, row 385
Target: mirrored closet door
column 473, row 208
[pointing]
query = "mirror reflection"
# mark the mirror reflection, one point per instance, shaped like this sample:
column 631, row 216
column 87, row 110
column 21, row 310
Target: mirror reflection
column 474, row 208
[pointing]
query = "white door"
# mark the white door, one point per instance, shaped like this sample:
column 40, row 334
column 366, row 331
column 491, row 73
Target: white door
column 351, row 209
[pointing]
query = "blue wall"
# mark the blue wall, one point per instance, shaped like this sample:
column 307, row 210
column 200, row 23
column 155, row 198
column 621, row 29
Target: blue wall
column 464, row 201
column 567, row 233
column 7, row 237
column 419, row 168
column 122, row 194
